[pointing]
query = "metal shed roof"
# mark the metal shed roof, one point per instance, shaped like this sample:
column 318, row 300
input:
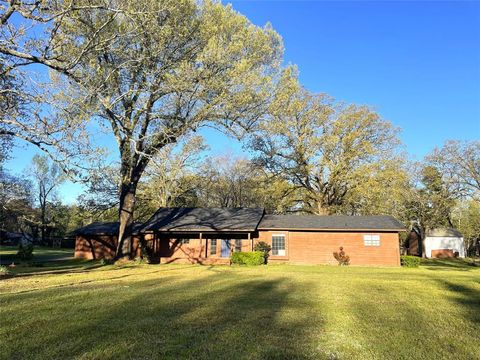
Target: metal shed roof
column 444, row 232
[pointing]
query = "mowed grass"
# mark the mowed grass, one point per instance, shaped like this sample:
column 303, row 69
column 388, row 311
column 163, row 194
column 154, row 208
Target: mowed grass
column 45, row 260
column 222, row 312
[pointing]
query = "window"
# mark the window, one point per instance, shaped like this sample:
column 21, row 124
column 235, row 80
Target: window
column 278, row 245
column 371, row 240
column 213, row 246
column 238, row 245
column 184, row 241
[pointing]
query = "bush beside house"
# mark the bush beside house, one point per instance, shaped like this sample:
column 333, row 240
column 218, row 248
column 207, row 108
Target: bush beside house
column 264, row 248
column 410, row 261
column 248, row 258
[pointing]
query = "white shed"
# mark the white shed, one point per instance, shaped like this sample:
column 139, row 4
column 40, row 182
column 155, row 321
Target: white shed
column 444, row 243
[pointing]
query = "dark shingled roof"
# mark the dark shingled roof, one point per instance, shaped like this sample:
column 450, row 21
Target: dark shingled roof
column 103, row 228
column 243, row 220
column 335, row 222
column 204, row 219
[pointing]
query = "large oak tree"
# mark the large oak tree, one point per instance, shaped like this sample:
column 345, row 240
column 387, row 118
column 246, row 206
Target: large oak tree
column 324, row 149
column 147, row 72
column 459, row 164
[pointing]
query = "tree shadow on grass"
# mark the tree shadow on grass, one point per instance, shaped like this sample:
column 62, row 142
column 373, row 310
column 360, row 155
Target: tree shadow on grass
column 466, row 297
column 40, row 255
column 448, row 264
column 219, row 316
column 60, row 267
column 90, row 280
column 411, row 331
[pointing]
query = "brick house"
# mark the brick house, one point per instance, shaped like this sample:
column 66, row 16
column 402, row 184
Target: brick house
column 210, row 235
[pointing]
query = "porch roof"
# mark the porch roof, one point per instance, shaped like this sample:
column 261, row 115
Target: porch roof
column 204, row 220
column 103, row 228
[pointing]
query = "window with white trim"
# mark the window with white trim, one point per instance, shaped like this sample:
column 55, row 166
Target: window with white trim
column 278, row 245
column 371, row 240
column 213, row 246
column 238, row 245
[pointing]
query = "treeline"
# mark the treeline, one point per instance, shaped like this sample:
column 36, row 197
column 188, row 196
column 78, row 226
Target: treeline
column 443, row 190
column 437, row 192
column 149, row 74
column 31, row 208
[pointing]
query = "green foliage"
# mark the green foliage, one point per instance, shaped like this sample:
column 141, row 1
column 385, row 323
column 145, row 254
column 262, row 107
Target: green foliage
column 429, row 203
column 4, row 270
column 150, row 71
column 25, row 252
column 264, row 248
column 248, row 258
column 106, row 261
column 410, row 261
column 459, row 164
column 342, row 258
column 466, row 218
column 140, row 260
column 324, row 149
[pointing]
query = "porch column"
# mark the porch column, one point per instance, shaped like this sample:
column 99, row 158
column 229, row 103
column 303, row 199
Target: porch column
column 200, row 252
column 251, row 240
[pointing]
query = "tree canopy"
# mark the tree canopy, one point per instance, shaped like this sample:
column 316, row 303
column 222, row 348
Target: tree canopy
column 146, row 72
column 150, row 74
column 325, row 149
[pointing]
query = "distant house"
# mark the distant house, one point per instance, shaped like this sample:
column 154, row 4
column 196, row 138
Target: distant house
column 14, row 238
column 210, row 235
column 439, row 243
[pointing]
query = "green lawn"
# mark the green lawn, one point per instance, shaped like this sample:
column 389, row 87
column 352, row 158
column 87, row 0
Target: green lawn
column 88, row 311
column 45, row 260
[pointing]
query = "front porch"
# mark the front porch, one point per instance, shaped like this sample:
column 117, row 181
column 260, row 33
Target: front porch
column 201, row 248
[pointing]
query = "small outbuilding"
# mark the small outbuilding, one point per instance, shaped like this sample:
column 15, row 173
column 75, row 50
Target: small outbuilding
column 439, row 243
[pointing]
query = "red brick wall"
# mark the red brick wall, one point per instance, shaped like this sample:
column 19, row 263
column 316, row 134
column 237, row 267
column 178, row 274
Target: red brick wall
column 302, row 247
column 197, row 251
column 95, row 247
column 103, row 246
column 309, row 247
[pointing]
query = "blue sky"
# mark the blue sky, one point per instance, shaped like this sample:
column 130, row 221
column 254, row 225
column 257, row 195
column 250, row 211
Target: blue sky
column 416, row 63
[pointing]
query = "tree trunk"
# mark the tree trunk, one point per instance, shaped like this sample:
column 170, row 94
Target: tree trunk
column 126, row 210
column 42, row 227
column 321, row 209
column 421, row 248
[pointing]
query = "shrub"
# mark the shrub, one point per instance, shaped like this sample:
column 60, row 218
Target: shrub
column 4, row 271
column 104, row 262
column 410, row 261
column 142, row 260
column 25, row 252
column 342, row 258
column 248, row 258
column 473, row 262
column 148, row 254
column 264, row 248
